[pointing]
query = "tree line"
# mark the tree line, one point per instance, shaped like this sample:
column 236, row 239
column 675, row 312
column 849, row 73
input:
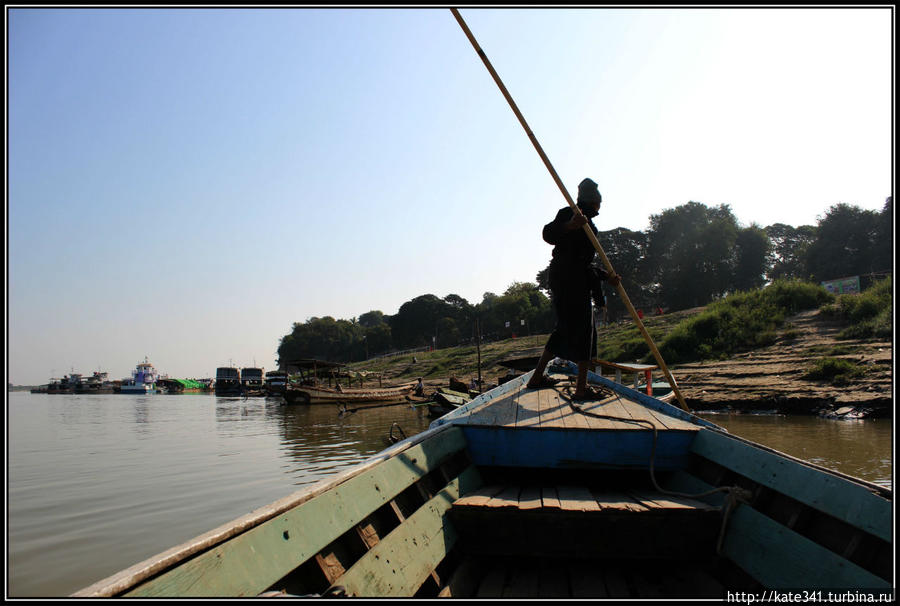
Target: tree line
column 690, row 256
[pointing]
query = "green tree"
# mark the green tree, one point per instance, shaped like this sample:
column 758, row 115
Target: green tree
column 752, row 248
column 323, row 338
column 691, row 254
column 787, row 257
column 884, row 238
column 416, row 323
column 372, row 318
column 378, row 339
column 845, row 243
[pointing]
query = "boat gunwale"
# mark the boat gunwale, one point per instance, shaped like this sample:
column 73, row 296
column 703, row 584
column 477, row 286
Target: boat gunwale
column 877, row 489
column 132, row 576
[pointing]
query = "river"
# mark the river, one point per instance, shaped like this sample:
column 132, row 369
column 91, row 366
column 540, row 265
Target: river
column 96, row 483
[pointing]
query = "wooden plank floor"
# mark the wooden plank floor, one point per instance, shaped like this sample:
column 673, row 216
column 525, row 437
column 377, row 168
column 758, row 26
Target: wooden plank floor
column 589, row 579
column 576, row 498
column 550, row 408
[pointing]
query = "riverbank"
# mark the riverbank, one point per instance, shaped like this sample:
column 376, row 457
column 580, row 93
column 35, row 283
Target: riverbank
column 772, row 378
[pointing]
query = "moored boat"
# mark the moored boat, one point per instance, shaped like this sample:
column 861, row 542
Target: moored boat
column 276, row 382
column 228, row 381
column 178, row 386
column 446, row 401
column 58, row 386
column 309, row 394
column 97, row 383
column 526, row 493
column 253, row 382
column 143, row 379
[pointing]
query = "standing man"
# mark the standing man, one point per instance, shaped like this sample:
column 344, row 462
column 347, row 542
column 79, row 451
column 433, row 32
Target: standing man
column 574, row 283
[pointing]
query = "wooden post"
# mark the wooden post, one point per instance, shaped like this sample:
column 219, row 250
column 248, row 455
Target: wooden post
column 587, row 228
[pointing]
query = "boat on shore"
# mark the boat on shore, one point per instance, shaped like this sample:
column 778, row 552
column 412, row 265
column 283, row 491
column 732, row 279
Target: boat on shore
column 143, row 379
column 228, row 381
column 308, row 386
column 311, row 394
column 446, row 400
column 526, row 493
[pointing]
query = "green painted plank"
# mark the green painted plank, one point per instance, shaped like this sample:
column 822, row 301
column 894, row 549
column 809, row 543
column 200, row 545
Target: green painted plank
column 843, row 499
column 780, row 558
column 402, row 560
column 250, row 562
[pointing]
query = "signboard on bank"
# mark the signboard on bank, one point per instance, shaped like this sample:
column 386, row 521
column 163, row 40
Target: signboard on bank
column 842, row 286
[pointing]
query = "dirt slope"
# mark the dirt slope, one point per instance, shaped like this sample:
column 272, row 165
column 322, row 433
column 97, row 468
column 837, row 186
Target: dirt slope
column 772, row 377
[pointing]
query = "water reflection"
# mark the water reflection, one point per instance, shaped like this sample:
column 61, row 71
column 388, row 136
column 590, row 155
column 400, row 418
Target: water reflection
column 319, row 440
column 141, row 411
column 239, row 409
column 862, row 448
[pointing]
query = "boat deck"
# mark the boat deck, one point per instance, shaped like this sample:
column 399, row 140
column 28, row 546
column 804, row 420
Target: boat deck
column 573, row 498
column 583, row 579
column 572, row 533
column 549, row 408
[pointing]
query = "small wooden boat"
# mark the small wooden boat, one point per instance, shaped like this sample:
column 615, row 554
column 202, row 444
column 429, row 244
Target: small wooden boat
column 525, row 493
column 446, row 401
column 308, row 394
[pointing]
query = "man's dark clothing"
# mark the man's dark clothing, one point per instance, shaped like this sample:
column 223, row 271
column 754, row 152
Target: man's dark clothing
column 574, row 282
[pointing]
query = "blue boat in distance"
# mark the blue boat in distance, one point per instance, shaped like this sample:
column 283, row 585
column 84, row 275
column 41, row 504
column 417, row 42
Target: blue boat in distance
column 143, row 379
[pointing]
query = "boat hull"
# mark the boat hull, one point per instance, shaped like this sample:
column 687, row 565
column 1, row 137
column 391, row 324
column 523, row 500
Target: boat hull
column 137, row 389
column 356, row 397
column 227, row 388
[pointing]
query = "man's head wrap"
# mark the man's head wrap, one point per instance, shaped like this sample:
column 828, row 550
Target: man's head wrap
column 588, row 192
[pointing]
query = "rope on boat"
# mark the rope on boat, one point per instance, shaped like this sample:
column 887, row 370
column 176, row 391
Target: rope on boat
column 733, row 494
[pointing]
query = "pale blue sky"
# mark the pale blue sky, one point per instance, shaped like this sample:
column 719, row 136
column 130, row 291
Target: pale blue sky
column 184, row 184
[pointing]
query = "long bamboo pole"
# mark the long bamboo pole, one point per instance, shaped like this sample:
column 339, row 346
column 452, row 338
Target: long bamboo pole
column 587, row 228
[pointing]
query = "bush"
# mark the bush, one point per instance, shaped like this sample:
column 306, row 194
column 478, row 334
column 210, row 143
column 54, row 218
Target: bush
column 741, row 321
column 838, row 371
column 868, row 314
column 795, row 296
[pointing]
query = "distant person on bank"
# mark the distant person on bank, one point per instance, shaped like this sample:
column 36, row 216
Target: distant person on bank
column 574, row 283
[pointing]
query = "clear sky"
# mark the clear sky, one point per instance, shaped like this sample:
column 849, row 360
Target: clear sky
column 185, row 184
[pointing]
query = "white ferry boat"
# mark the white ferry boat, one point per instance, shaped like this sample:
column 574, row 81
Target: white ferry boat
column 143, row 379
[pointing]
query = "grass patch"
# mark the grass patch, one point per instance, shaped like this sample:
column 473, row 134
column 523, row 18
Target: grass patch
column 867, row 314
column 790, row 333
column 836, row 371
column 740, row 322
column 832, row 350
